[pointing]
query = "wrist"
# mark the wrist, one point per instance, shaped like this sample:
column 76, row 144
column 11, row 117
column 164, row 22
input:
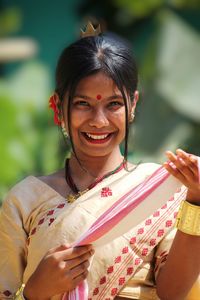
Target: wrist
column 193, row 198
column 31, row 294
column 188, row 218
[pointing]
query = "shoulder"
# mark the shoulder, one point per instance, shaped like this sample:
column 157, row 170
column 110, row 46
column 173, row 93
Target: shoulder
column 27, row 194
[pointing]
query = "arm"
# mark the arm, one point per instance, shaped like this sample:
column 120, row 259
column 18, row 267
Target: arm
column 12, row 248
column 182, row 267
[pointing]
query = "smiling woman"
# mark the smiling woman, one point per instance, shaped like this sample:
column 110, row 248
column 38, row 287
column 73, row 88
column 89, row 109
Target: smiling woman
column 94, row 103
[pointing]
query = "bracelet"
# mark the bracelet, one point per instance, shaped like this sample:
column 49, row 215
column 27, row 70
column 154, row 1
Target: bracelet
column 188, row 218
column 19, row 294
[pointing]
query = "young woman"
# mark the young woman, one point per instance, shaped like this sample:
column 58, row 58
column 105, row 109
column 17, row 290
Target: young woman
column 94, row 102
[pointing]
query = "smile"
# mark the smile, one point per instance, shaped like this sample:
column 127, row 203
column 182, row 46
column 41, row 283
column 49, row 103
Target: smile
column 97, row 138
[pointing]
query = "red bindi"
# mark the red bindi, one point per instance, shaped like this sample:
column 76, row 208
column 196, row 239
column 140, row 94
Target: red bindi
column 98, row 97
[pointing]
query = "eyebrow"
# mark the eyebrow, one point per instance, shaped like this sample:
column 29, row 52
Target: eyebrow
column 113, row 97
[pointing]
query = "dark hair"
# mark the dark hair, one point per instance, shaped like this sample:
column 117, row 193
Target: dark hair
column 107, row 53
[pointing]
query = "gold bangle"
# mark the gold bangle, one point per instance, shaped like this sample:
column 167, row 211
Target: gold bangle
column 188, row 218
column 19, row 294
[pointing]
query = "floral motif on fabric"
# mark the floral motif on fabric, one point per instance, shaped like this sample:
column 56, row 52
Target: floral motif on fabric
column 49, row 218
column 106, row 192
column 145, row 239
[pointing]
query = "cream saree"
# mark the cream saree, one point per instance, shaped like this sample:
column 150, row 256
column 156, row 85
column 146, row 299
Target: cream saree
column 36, row 218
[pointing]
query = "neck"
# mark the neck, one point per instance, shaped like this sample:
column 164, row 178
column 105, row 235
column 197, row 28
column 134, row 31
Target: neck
column 90, row 168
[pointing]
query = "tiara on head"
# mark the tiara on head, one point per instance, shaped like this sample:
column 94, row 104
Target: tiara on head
column 90, row 30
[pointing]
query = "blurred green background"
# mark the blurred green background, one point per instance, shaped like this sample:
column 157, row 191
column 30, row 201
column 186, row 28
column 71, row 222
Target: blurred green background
column 166, row 39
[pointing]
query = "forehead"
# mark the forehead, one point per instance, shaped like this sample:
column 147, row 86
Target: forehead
column 97, row 84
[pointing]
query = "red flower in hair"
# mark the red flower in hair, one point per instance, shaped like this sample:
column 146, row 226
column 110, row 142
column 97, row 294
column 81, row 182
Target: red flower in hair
column 54, row 105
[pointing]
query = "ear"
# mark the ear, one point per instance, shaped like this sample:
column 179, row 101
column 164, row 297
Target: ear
column 135, row 100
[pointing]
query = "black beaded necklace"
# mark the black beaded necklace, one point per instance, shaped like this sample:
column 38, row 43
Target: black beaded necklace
column 72, row 197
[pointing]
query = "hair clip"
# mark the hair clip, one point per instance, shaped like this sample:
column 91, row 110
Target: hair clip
column 90, row 30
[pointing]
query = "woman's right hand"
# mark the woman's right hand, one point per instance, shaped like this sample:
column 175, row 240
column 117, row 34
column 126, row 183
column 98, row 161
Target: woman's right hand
column 60, row 271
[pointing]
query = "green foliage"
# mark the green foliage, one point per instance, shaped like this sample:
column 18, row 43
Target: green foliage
column 29, row 139
column 10, row 20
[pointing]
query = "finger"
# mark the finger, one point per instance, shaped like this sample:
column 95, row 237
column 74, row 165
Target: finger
column 74, row 252
column 61, row 247
column 190, row 160
column 175, row 172
column 181, row 165
column 76, row 281
column 80, row 269
column 70, row 264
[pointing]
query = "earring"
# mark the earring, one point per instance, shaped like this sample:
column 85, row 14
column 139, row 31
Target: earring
column 132, row 117
column 64, row 131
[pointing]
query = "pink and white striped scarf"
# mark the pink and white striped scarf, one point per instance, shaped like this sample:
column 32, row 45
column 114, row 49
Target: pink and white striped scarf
column 131, row 209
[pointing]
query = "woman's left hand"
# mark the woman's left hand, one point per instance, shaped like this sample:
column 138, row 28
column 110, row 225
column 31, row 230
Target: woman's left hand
column 184, row 167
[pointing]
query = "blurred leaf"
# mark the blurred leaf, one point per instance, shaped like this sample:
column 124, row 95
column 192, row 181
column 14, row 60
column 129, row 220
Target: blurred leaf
column 178, row 65
column 185, row 3
column 10, row 20
column 28, row 143
column 30, row 86
column 139, row 8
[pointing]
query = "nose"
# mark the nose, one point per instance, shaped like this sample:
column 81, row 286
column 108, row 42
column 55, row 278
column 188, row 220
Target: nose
column 99, row 119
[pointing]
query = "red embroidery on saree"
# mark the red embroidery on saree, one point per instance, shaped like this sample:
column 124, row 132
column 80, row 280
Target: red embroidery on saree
column 110, row 270
column 96, row 291
column 121, row 280
column 7, row 293
column 33, row 231
column 129, row 271
column 114, row 291
column 61, row 205
column 168, row 223
column 41, row 221
column 118, row 259
column 125, row 250
column 133, row 240
column 144, row 252
column 152, row 242
column 156, row 214
column 51, row 221
column 164, row 206
column 140, row 231
column 106, row 192
column 102, row 280
column 46, row 218
column 148, row 222
column 160, row 232
column 137, row 261
column 50, row 212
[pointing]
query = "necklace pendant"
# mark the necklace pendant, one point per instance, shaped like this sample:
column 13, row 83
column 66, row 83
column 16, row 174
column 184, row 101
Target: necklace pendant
column 80, row 193
column 71, row 198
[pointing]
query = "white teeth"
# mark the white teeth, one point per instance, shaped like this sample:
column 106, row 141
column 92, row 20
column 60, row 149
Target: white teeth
column 97, row 137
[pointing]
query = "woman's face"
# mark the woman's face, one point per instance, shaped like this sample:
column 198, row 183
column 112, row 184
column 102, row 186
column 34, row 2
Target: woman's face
column 97, row 116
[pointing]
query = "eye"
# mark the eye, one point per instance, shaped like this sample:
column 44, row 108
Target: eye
column 81, row 103
column 115, row 104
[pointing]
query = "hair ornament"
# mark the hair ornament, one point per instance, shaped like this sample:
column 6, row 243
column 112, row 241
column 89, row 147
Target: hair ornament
column 54, row 106
column 90, row 30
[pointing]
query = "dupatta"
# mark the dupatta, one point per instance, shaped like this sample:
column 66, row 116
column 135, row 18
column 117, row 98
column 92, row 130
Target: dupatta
column 136, row 205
